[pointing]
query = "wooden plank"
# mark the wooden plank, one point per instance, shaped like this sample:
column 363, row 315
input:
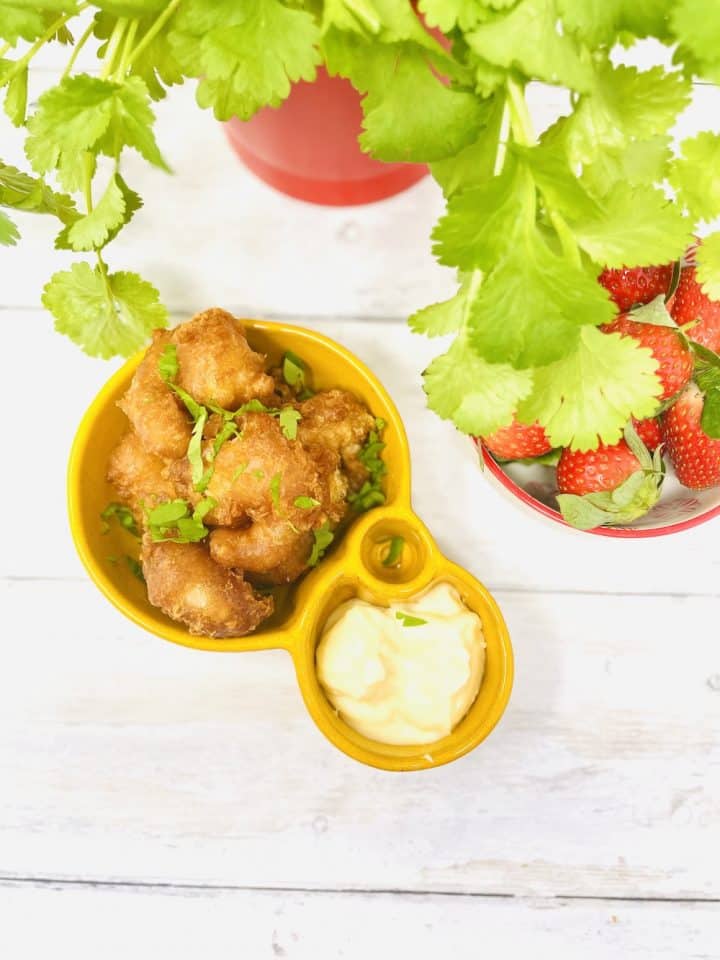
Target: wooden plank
column 126, row 758
column 118, row 923
column 503, row 543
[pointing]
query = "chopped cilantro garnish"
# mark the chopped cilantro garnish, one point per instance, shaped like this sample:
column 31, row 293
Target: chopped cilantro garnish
column 168, row 363
column 370, row 493
column 240, row 470
column 306, row 503
column 394, row 551
column 408, row 620
column 293, row 370
column 194, row 451
column 123, row 515
column 288, row 422
column 323, row 538
column 258, row 474
column 173, row 521
column 275, row 489
column 134, row 567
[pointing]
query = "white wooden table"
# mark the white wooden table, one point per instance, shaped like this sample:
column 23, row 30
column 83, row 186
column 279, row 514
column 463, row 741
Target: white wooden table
column 158, row 802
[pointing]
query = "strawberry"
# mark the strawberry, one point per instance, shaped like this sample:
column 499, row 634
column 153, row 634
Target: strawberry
column 518, row 441
column 675, row 360
column 695, row 455
column 628, row 287
column 649, row 432
column 691, row 305
column 610, row 485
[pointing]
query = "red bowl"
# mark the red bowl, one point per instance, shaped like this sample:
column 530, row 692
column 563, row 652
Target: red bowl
column 308, row 147
column 534, row 485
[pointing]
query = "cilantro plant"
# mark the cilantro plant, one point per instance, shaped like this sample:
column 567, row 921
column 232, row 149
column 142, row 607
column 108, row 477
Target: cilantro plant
column 532, row 215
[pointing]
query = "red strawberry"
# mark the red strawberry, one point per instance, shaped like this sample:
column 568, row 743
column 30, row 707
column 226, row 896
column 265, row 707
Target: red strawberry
column 695, row 455
column 674, row 359
column 649, row 432
column 628, row 287
column 518, row 441
column 613, row 484
column 691, row 304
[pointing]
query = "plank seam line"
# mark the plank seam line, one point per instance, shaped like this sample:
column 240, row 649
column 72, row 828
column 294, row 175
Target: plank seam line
column 8, row 880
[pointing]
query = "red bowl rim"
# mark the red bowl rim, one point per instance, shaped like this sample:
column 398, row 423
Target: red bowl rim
column 621, row 533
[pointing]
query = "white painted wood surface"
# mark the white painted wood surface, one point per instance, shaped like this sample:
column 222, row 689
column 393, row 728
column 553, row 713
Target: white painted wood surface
column 159, row 802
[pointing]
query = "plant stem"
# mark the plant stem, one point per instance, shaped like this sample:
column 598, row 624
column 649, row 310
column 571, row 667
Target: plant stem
column 76, row 50
column 566, row 238
column 41, row 41
column 87, row 180
column 113, row 46
column 154, row 30
column 4, row 48
column 502, row 140
column 121, row 71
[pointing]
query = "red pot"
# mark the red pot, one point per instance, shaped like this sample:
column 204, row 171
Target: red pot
column 307, row 147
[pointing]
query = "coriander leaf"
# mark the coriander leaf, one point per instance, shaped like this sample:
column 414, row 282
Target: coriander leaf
column 593, row 392
column 323, row 537
column 623, row 104
column 561, row 189
column 228, row 429
column 130, row 8
column 135, row 568
column 599, row 21
column 275, row 482
column 527, row 38
column 359, row 16
column 696, row 24
column 446, row 14
column 532, row 306
column 9, row 233
column 240, row 470
column 408, row 620
column 246, row 55
column 25, row 20
column 708, row 265
column 168, row 363
column 166, row 514
column 634, row 226
column 16, row 98
column 478, row 396
column 93, row 231
column 472, row 165
column 482, row 222
column 398, row 74
column 394, row 552
column 194, row 451
column 131, row 124
column 439, row 319
column 306, row 503
column 695, row 175
column 105, row 316
column 123, row 515
column 23, row 192
column 293, row 370
column 642, row 162
column 289, row 418
column 204, row 507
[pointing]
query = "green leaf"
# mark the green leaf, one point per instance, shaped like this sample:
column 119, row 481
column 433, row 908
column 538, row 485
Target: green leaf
column 168, row 367
column 93, row 231
column 580, row 512
column 640, row 163
column 194, row 450
column 696, row 24
column 289, row 418
column 105, row 317
column 708, row 265
column 632, row 499
column 16, row 98
column 408, row 620
column 394, row 552
column 25, row 20
column 275, row 482
column 322, row 538
column 9, row 233
column 165, row 514
column 478, row 396
column 622, row 105
column 293, row 370
column 306, row 503
column 532, row 306
column 634, row 226
column 591, row 394
column 696, row 175
column 447, row 14
column 130, row 8
column 400, row 74
column 561, row 189
column 483, row 222
column 23, row 192
column 710, row 419
column 474, row 164
column 246, row 54
column 655, row 313
column 446, row 317
column 527, row 39
column 123, row 515
column 599, row 21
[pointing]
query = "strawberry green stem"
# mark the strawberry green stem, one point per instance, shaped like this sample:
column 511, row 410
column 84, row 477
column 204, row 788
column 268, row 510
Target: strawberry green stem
column 153, row 31
column 76, row 50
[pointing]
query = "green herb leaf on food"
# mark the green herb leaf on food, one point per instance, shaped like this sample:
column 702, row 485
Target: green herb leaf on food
column 275, row 482
column 394, row 552
column 289, row 418
column 408, row 620
column 306, row 503
column 123, row 515
column 322, row 538
column 293, row 370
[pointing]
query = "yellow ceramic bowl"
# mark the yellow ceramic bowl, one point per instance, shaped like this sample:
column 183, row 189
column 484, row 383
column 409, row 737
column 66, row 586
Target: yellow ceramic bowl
column 353, row 568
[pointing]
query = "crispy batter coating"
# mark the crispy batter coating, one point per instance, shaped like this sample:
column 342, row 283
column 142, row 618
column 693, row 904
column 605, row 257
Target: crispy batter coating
column 138, row 476
column 339, row 421
column 188, row 585
column 216, row 363
column 158, row 417
column 258, row 468
column 270, row 552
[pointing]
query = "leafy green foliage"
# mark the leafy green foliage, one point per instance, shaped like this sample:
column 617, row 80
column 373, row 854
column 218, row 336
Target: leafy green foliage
column 104, row 314
column 696, row 175
column 24, row 20
column 246, row 54
column 708, row 265
column 9, row 233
